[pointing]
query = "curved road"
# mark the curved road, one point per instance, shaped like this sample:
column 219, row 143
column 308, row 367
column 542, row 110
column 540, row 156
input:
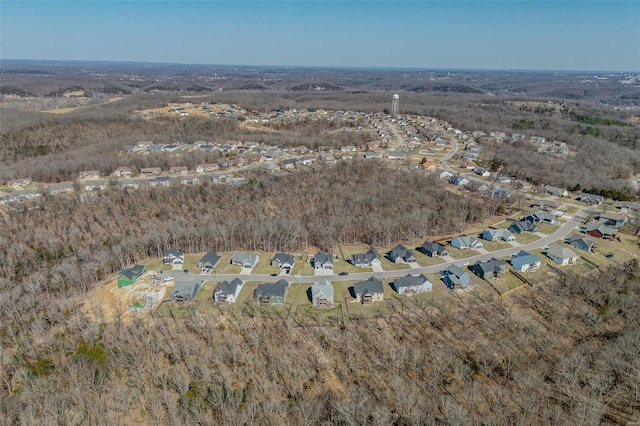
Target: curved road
column 562, row 232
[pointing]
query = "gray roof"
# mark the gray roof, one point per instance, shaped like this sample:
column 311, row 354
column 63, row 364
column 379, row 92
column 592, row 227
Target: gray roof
column 186, row 288
column 283, row 258
column 278, row 289
column 211, row 258
column 244, row 258
column 322, row 290
column 560, row 252
column 370, row 286
column 434, row 247
column 523, row 258
column 228, row 288
column 322, row 258
column 456, row 270
column 400, row 251
column 364, row 258
column 134, row 272
column 410, row 281
column 491, row 265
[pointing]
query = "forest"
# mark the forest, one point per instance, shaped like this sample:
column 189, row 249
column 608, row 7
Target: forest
column 563, row 351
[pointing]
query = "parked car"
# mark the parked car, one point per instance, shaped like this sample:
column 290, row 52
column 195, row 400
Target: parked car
column 168, row 278
column 274, row 274
column 343, row 273
column 608, row 255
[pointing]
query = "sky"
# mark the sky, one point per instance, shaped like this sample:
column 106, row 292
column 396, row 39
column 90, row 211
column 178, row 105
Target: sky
column 513, row 35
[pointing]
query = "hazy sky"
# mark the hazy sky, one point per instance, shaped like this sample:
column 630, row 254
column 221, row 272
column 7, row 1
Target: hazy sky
column 556, row 35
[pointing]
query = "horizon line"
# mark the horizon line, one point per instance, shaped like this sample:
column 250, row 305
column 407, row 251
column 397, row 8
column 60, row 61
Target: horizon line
column 335, row 67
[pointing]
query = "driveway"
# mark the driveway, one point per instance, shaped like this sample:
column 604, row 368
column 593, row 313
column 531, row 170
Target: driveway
column 482, row 250
column 413, row 265
column 245, row 271
column 322, row 272
column 514, row 243
column 377, row 268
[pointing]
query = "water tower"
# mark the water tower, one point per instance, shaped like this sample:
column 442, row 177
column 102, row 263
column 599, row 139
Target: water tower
column 395, row 105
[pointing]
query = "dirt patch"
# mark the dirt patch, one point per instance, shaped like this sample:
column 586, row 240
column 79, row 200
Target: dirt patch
column 108, row 303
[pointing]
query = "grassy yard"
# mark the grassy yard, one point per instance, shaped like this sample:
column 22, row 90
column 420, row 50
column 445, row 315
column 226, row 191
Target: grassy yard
column 504, row 224
column 547, row 228
column 319, row 316
column 495, row 245
column 157, row 265
column 507, row 282
column 424, row 260
column 191, row 261
column 526, row 238
column 303, row 265
column 344, row 255
column 264, row 265
column 297, row 295
column 169, row 309
column 456, row 253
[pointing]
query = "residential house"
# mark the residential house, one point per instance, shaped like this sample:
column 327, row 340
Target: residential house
column 130, row 275
column 284, row 261
column 502, row 179
column 495, row 234
column 321, row 294
column 478, row 185
column 160, row 181
column 454, row 277
column 499, row 193
column 561, row 255
column 557, row 192
column 307, row 160
column 123, row 171
column 60, row 188
column 537, row 139
column 412, row 284
column 129, row 184
column 149, row 171
column 301, row 149
column 185, row 290
column 227, row 291
column 548, row 205
column 489, row 269
column 630, row 207
column 458, row 180
column 95, row 185
column 189, row 180
column 179, row 170
column 271, row 294
column 371, row 154
column 539, row 217
column 582, row 243
column 369, row 291
column 209, row 261
column 481, row 171
column 522, row 227
column 16, row 183
column 402, row 254
column 245, row 260
column 467, row 164
column 466, row 242
column 524, row 261
column 601, row 231
column 443, row 174
column 209, row 167
column 395, row 155
column 289, row 163
column 89, row 174
column 348, row 148
column 269, row 167
column 365, row 260
column 613, row 219
column 323, row 260
column 434, row 249
column 172, row 257
column 430, row 165
column 591, row 199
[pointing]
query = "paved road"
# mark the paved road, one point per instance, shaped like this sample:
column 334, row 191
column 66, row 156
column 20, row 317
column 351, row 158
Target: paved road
column 449, row 155
column 396, row 133
column 562, row 232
